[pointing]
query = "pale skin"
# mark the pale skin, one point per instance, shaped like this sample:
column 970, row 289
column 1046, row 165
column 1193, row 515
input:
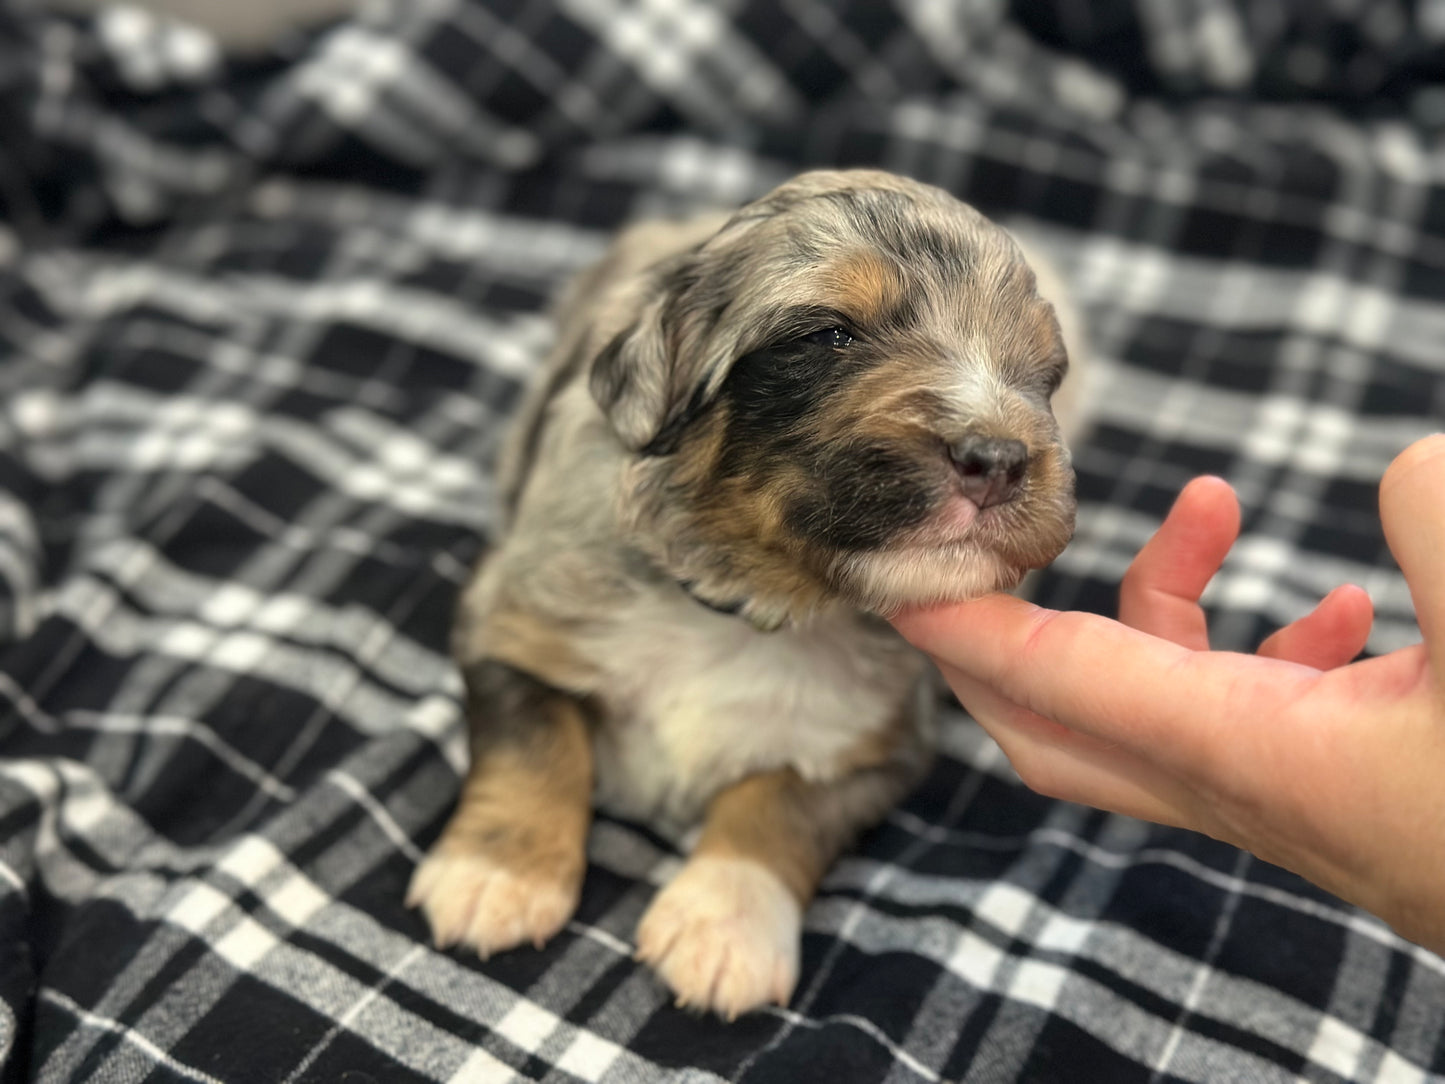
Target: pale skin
column 1331, row 768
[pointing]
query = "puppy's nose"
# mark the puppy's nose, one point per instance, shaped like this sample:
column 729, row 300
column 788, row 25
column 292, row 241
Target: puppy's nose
column 991, row 469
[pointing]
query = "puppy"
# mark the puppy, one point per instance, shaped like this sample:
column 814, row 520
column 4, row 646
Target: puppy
column 758, row 436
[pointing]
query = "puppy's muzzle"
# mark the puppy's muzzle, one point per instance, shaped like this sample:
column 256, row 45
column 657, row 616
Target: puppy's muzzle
column 990, row 469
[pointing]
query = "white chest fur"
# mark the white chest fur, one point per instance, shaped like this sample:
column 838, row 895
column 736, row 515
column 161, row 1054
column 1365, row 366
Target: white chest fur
column 695, row 700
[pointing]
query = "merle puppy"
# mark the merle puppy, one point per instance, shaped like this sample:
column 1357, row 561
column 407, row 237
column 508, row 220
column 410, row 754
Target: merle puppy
column 758, row 435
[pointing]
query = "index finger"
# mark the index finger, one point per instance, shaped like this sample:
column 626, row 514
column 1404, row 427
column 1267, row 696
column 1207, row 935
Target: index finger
column 1160, row 592
column 1100, row 677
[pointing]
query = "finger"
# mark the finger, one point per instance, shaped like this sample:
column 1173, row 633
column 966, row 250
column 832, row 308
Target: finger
column 1412, row 508
column 991, row 709
column 1160, row 592
column 1061, row 763
column 1104, row 678
column 1332, row 634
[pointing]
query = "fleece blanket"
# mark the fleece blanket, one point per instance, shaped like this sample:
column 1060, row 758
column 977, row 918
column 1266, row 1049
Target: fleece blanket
column 262, row 320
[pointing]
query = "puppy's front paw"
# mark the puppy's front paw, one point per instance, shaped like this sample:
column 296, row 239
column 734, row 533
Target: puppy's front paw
column 474, row 899
column 724, row 935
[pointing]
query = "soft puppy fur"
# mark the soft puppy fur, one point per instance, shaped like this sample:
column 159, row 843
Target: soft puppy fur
column 758, row 435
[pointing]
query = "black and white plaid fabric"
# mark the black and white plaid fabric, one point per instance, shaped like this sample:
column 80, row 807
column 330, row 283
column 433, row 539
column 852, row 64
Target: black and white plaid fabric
column 261, row 322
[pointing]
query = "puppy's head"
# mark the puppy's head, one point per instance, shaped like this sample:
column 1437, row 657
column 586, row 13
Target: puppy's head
column 843, row 394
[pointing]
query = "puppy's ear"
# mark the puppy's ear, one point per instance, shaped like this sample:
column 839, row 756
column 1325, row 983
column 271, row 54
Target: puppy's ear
column 629, row 379
column 655, row 376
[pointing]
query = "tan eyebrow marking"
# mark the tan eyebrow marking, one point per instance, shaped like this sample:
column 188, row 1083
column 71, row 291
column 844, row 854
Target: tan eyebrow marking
column 865, row 286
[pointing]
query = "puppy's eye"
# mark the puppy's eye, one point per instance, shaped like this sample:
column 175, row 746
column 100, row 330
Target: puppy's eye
column 834, row 338
column 1047, row 378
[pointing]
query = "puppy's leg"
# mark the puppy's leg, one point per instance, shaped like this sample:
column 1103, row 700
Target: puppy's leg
column 724, row 933
column 508, row 867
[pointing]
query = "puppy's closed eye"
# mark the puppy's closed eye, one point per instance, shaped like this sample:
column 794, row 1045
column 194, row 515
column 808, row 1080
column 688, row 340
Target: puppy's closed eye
column 1042, row 377
column 1046, row 380
column 835, row 338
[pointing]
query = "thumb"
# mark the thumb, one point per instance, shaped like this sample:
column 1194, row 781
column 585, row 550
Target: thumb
column 1412, row 509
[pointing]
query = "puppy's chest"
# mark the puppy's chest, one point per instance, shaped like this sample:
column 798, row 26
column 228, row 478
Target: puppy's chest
column 694, row 701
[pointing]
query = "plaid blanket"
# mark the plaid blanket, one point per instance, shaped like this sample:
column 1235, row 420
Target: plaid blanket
column 261, row 321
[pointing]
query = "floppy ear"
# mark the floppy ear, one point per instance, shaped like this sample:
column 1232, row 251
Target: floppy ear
column 630, row 377
column 654, row 377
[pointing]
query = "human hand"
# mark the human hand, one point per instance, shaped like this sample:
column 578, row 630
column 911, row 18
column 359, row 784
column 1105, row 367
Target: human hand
column 1329, row 768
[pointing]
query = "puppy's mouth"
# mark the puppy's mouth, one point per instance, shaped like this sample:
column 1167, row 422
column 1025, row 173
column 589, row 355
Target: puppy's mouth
column 956, row 517
column 998, row 509
column 966, row 546
column 960, row 523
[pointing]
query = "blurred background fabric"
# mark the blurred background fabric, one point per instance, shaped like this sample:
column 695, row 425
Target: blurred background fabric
column 269, row 288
